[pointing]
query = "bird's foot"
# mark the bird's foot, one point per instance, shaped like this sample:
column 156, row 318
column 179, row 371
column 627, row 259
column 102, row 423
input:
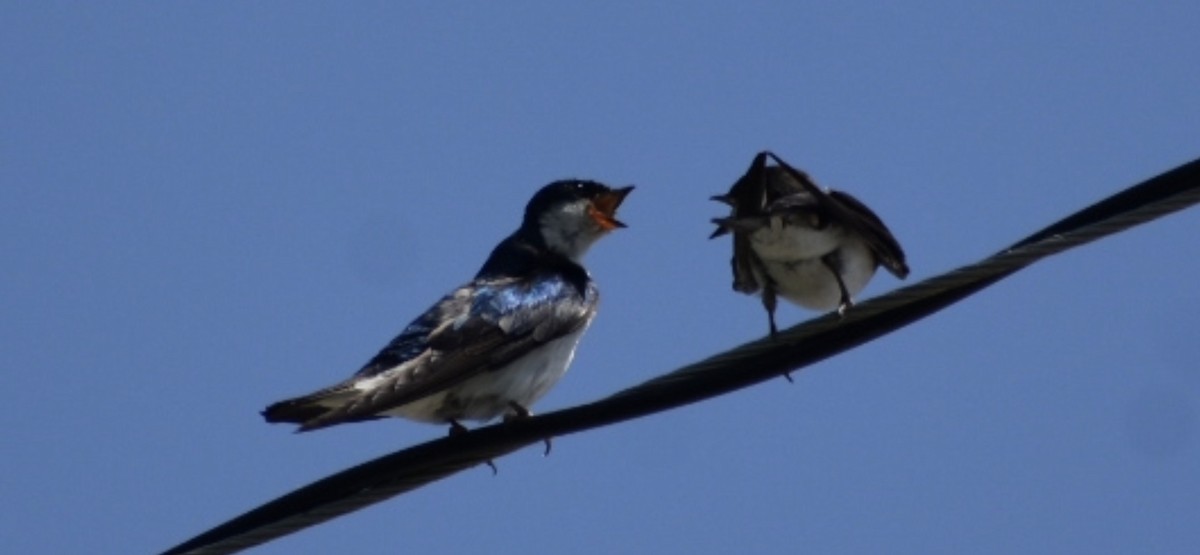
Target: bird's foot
column 774, row 333
column 457, row 429
column 844, row 306
column 519, row 412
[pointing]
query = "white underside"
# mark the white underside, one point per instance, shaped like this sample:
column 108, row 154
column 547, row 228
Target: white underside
column 783, row 243
column 811, row 284
column 487, row 396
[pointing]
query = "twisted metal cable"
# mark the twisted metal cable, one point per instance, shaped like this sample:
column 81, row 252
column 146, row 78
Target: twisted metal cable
column 719, row 374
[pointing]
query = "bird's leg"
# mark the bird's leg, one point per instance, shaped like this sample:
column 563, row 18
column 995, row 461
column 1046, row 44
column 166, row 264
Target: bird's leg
column 769, row 302
column 519, row 412
column 832, row 262
column 457, row 429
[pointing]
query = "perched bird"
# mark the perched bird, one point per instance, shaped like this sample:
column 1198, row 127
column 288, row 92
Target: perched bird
column 815, row 247
column 494, row 346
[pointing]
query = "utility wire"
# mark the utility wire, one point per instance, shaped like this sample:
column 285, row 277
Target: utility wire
column 743, row 366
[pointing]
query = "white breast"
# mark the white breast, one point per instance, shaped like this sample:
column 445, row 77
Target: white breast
column 782, row 243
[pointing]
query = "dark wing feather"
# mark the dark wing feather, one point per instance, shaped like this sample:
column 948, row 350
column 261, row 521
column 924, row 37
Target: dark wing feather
column 410, row 344
column 484, row 326
column 879, row 237
column 744, row 262
column 764, row 190
column 414, row 340
column 747, row 199
column 853, row 214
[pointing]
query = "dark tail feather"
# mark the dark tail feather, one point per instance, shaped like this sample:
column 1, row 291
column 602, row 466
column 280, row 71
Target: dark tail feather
column 307, row 412
column 293, row 411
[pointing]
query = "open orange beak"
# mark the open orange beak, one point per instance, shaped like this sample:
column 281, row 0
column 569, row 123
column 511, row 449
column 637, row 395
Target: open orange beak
column 604, row 208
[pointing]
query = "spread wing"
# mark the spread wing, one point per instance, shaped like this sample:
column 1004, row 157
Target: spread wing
column 477, row 328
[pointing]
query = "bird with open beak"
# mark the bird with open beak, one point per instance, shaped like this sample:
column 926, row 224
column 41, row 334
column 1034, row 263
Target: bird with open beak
column 494, row 346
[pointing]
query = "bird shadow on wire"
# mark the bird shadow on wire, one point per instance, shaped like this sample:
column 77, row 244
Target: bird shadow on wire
column 742, row 366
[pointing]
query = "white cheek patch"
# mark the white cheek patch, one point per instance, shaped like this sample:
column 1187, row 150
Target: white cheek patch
column 570, row 230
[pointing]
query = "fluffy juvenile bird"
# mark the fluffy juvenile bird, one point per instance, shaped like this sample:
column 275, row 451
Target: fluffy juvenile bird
column 492, row 347
column 815, row 247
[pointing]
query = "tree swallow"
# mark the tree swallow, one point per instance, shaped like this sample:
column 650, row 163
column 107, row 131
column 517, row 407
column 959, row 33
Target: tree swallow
column 494, row 346
column 813, row 246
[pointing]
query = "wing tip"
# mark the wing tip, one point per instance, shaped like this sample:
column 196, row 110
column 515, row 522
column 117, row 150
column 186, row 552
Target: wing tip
column 292, row 411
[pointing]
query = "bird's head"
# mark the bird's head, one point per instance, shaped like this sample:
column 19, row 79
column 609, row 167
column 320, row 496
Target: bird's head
column 570, row 215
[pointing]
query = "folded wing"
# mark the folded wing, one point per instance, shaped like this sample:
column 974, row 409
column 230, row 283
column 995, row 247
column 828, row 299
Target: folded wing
column 477, row 328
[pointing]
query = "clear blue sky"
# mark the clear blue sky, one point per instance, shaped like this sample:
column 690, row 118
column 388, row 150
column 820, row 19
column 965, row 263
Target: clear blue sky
column 208, row 207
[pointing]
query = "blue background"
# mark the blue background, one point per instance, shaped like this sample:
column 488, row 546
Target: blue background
column 208, row 207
